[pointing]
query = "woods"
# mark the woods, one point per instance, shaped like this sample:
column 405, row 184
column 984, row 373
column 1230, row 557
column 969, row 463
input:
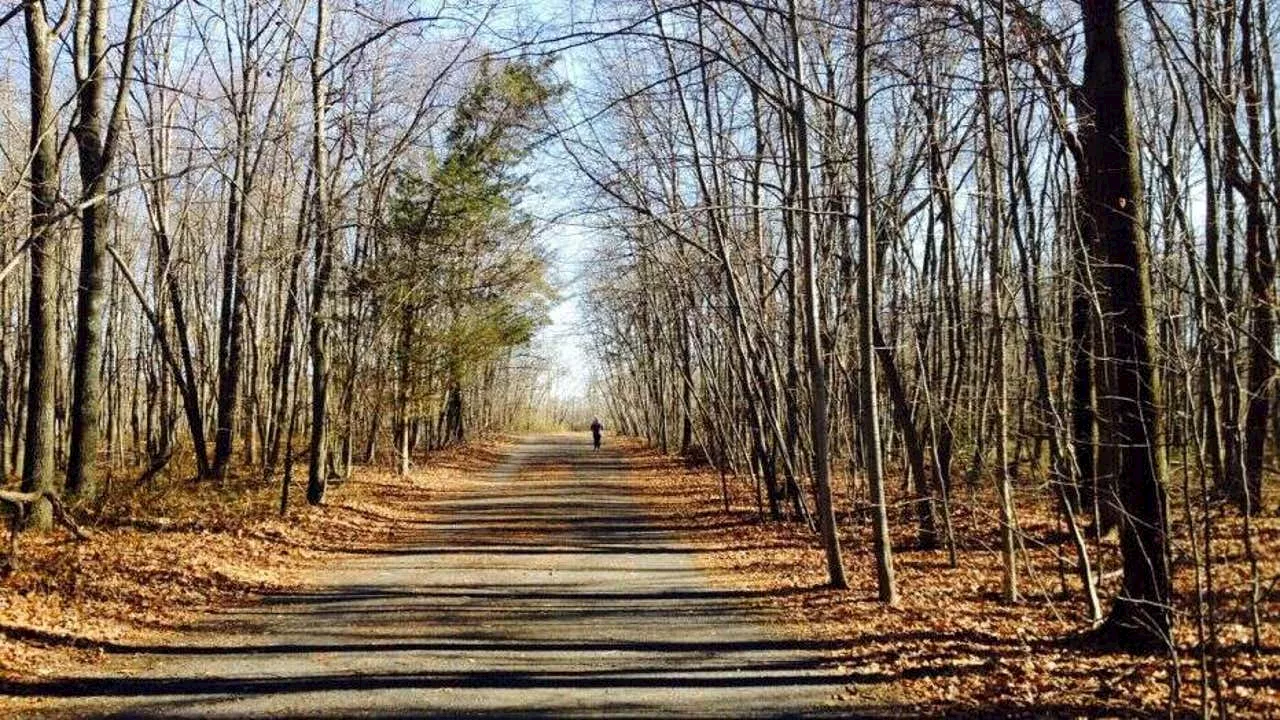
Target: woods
column 1029, row 249
column 975, row 283
column 237, row 212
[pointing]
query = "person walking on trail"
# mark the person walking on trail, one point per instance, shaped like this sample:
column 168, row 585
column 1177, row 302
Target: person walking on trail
column 596, row 429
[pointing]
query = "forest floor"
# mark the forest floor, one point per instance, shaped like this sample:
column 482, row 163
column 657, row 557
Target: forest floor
column 537, row 577
column 952, row 647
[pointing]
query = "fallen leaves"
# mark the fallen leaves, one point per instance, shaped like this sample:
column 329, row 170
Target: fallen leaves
column 952, row 648
column 198, row 546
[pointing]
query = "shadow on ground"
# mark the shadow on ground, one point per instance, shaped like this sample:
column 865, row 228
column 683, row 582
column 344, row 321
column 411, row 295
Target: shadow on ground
column 540, row 589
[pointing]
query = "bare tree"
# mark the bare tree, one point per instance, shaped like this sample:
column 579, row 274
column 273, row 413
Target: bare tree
column 1141, row 614
column 97, row 140
column 38, row 455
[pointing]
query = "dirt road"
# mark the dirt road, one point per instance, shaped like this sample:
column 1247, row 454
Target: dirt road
column 543, row 590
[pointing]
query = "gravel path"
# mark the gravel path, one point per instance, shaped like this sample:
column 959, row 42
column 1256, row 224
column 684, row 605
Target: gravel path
column 544, row 591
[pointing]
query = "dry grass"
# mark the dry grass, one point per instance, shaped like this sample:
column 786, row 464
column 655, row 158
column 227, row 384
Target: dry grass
column 952, row 647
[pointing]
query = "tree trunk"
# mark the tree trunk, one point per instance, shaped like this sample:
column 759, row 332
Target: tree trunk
column 926, row 525
column 231, row 310
column 42, row 359
column 402, row 389
column 813, row 342
column 317, row 470
column 96, row 145
column 1140, row 616
column 886, row 584
column 1260, row 272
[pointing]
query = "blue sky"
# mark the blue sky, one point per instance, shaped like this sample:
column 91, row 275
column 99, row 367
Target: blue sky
column 553, row 199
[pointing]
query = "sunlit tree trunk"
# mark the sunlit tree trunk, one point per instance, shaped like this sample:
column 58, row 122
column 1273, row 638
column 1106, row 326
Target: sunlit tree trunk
column 38, row 454
column 870, row 431
column 96, row 140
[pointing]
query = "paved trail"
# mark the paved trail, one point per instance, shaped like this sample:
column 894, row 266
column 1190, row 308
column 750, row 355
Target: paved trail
column 545, row 591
